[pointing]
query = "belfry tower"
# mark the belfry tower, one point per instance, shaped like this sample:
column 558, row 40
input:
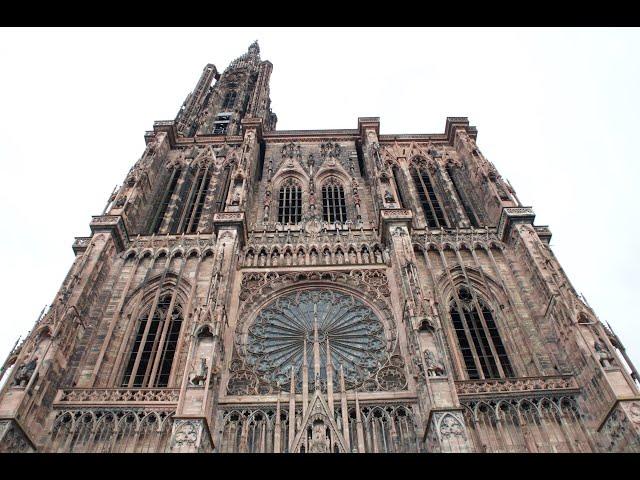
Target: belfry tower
column 254, row 290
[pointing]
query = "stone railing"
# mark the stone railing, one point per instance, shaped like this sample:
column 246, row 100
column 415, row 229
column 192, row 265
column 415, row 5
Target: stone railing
column 455, row 236
column 517, row 386
column 117, row 396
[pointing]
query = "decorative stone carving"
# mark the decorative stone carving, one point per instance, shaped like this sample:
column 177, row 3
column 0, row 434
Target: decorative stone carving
column 185, row 433
column 12, row 439
column 23, row 373
column 199, row 377
column 451, row 426
column 517, row 386
column 605, row 358
column 435, row 368
column 118, row 396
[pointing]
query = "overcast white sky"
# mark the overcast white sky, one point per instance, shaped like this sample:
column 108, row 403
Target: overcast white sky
column 557, row 110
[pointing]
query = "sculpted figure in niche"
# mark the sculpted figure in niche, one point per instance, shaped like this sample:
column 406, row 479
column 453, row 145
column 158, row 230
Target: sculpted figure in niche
column 353, row 258
column 287, row 257
column 434, row 366
column 262, row 259
column 24, row 373
column 365, row 255
column 339, row 257
column 388, row 197
column 319, row 440
column 236, row 198
column 274, row 258
column 199, row 377
column 327, row 256
column 606, row 359
column 121, row 201
column 300, row 257
column 378, row 254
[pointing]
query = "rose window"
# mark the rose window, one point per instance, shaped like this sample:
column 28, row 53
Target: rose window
column 354, row 334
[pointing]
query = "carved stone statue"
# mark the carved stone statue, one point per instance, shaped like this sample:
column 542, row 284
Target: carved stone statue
column 236, row 198
column 606, row 359
column 319, row 440
column 24, row 373
column 199, row 377
column 388, row 197
column 434, row 366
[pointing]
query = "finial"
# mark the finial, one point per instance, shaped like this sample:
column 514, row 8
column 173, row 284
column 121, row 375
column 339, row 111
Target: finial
column 254, row 48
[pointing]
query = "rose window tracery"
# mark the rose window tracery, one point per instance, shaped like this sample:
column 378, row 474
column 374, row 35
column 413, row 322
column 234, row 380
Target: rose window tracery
column 276, row 341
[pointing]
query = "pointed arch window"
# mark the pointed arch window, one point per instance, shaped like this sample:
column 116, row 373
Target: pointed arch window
column 433, row 213
column 197, row 196
column 334, row 207
column 169, row 190
column 290, row 203
column 154, row 346
column 229, row 99
column 203, row 191
column 483, row 352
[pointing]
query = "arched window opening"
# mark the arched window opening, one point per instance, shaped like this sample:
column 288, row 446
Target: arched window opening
column 198, row 195
column 433, row 213
column 334, row 207
column 154, row 346
column 399, row 185
column 229, row 100
column 166, row 199
column 224, row 182
column 483, row 352
column 467, row 207
column 290, row 203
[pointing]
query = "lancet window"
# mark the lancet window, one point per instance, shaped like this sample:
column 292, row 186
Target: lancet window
column 433, row 213
column 334, row 207
column 156, row 337
column 197, row 196
column 290, row 203
column 483, row 352
column 166, row 199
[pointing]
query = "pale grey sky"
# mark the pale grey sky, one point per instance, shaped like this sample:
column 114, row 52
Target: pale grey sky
column 557, row 112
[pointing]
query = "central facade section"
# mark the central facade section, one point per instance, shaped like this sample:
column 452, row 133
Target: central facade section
column 303, row 327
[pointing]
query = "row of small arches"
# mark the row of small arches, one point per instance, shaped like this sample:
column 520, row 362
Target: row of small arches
column 265, row 257
column 164, row 252
column 459, row 246
column 73, row 420
column 537, row 407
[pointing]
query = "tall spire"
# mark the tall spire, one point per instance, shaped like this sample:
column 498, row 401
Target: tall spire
column 254, row 48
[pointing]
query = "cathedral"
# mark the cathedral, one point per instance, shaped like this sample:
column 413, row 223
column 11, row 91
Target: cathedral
column 249, row 289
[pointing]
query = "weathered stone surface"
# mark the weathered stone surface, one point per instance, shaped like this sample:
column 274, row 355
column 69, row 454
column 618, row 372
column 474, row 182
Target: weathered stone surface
column 256, row 290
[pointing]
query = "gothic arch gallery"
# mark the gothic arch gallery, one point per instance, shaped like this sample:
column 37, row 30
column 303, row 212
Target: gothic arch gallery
column 258, row 290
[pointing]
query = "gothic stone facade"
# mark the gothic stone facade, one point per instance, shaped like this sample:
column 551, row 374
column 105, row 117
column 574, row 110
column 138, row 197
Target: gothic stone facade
column 254, row 290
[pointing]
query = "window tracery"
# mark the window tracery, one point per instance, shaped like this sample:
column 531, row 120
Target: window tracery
column 290, row 203
column 334, row 206
column 483, row 352
column 354, row 335
column 433, row 212
column 154, row 345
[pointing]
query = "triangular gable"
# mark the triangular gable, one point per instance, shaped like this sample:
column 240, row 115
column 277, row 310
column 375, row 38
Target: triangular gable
column 318, row 410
